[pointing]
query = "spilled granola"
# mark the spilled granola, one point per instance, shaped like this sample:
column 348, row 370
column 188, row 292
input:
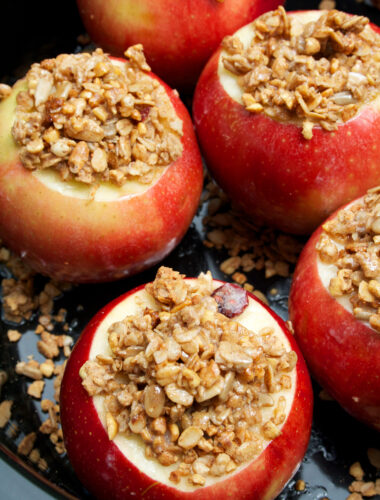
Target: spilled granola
column 92, row 119
column 249, row 246
column 192, row 382
column 319, row 74
column 351, row 241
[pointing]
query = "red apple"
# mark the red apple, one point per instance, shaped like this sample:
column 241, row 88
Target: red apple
column 178, row 37
column 118, row 469
column 342, row 352
column 63, row 233
column 267, row 167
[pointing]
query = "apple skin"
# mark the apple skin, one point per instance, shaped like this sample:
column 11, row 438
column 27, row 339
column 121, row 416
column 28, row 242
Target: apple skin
column 107, row 473
column 275, row 175
column 343, row 353
column 78, row 240
column 178, row 37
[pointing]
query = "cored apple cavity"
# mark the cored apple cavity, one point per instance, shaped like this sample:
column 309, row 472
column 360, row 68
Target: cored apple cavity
column 255, row 318
column 284, row 89
column 66, row 181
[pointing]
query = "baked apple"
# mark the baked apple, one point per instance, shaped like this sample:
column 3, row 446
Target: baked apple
column 178, row 37
column 100, row 172
column 287, row 115
column 186, row 389
column 335, row 307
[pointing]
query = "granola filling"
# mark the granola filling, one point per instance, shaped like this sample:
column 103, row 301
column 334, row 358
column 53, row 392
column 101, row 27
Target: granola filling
column 93, row 119
column 316, row 73
column 203, row 392
column 350, row 246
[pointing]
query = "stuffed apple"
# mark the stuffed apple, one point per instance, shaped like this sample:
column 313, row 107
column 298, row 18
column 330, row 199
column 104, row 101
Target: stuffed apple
column 100, row 172
column 287, row 113
column 186, row 389
column 335, row 307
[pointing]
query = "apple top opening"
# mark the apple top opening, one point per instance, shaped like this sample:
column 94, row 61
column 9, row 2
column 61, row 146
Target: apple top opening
column 349, row 261
column 94, row 121
column 187, row 394
column 309, row 68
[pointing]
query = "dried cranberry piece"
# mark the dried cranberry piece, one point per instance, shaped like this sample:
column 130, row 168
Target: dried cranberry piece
column 231, row 299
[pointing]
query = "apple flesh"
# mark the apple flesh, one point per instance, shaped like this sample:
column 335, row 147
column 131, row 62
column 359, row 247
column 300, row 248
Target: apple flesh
column 342, row 352
column 178, row 37
column 119, row 469
column 267, row 167
column 63, row 233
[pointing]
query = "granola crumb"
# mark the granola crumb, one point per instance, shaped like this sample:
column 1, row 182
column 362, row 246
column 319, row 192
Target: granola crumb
column 357, row 471
column 5, row 412
column 36, row 388
column 27, row 443
column 13, row 335
column 327, row 5
column 300, row 485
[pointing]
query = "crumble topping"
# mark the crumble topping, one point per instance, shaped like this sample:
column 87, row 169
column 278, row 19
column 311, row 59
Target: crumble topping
column 320, row 76
column 94, row 120
column 192, row 382
column 351, row 242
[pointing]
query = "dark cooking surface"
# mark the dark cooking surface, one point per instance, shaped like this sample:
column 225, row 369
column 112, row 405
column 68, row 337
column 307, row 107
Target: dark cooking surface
column 41, row 29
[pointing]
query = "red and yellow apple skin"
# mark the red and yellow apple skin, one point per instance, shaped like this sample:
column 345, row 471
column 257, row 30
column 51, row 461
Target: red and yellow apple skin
column 178, row 36
column 342, row 352
column 108, row 473
column 80, row 240
column 275, row 175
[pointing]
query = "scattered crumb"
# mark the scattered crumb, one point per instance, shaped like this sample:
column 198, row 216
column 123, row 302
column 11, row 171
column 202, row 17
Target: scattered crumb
column 5, row 412
column 356, row 471
column 36, row 388
column 27, row 443
column 300, row 485
column 14, row 335
column 34, row 456
column 327, row 5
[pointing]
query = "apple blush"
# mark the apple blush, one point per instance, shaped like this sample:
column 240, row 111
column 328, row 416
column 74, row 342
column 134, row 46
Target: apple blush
column 178, row 36
column 100, row 172
column 335, row 306
column 164, row 396
column 287, row 113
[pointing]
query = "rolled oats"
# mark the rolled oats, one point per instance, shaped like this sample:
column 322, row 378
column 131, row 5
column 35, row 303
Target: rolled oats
column 320, row 76
column 199, row 408
column 93, row 120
